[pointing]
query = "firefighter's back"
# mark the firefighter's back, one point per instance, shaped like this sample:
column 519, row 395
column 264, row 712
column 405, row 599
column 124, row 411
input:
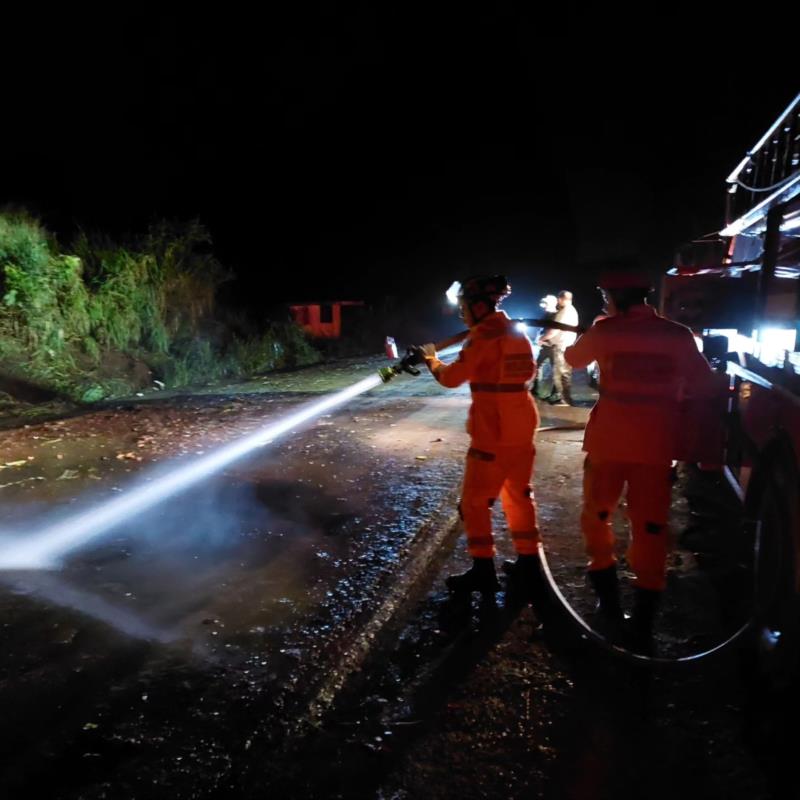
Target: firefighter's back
column 503, row 411
column 647, row 364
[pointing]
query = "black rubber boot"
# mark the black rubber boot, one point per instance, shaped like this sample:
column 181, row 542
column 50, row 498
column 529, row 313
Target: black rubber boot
column 645, row 608
column 480, row 577
column 606, row 586
column 526, row 582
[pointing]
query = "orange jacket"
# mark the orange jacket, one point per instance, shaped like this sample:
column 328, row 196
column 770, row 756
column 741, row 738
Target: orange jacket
column 648, row 366
column 497, row 360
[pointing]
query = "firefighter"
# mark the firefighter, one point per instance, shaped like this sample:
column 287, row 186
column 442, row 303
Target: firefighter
column 647, row 364
column 497, row 360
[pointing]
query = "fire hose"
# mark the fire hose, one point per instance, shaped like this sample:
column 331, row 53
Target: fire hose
column 408, row 364
column 588, row 633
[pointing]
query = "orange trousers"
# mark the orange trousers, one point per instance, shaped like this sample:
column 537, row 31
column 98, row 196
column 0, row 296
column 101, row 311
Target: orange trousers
column 506, row 471
column 649, row 497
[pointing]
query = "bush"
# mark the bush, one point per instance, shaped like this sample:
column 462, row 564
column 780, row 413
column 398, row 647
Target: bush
column 283, row 344
column 127, row 308
column 151, row 299
column 23, row 243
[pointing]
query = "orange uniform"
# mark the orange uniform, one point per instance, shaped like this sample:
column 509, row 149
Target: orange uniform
column 497, row 360
column 648, row 364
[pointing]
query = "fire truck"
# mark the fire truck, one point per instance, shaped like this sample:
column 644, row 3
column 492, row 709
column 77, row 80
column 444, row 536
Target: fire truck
column 738, row 288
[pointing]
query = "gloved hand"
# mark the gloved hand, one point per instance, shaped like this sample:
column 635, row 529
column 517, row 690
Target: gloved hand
column 415, row 355
column 422, row 352
column 428, row 350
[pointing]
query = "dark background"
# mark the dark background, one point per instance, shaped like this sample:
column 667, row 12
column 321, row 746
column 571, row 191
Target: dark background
column 364, row 154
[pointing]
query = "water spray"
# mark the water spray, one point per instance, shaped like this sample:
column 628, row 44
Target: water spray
column 45, row 548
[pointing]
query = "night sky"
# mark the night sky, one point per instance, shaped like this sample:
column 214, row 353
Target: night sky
column 386, row 153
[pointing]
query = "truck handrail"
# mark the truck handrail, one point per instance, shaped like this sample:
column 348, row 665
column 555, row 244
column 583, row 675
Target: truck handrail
column 771, row 167
column 745, row 374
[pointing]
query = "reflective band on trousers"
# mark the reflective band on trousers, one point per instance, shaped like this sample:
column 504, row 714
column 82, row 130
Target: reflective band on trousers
column 498, row 387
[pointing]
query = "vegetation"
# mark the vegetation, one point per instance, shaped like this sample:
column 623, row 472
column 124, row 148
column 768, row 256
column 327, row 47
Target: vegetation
column 109, row 318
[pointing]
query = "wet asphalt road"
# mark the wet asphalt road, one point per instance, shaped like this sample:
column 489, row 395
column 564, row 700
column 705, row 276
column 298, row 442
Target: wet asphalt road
column 225, row 618
column 184, row 653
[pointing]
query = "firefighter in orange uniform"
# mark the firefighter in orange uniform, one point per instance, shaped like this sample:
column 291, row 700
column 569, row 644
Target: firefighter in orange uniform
column 497, row 360
column 647, row 365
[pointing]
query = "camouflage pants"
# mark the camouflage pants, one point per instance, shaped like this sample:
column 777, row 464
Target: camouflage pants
column 562, row 375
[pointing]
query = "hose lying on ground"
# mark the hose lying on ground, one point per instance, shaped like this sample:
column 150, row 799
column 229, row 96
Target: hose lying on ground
column 588, row 633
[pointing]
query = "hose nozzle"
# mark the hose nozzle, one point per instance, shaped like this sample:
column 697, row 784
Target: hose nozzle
column 406, row 364
column 387, row 373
